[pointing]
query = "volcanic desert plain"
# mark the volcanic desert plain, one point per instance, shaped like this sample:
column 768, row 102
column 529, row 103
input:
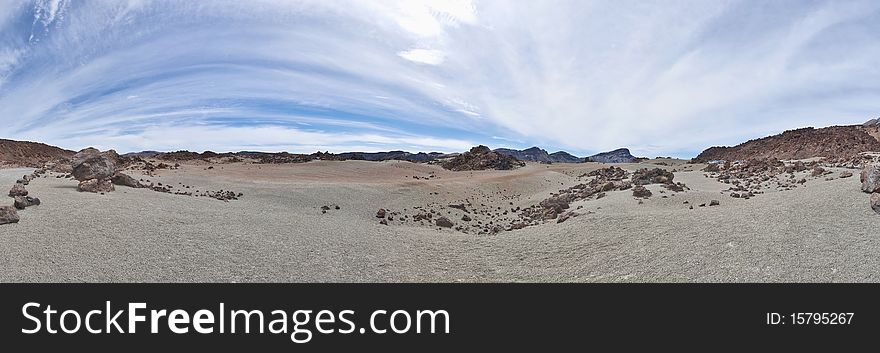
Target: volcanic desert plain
column 189, row 217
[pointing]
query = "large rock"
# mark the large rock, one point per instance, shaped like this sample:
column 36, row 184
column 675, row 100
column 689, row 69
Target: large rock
column 870, row 178
column 18, row 190
column 875, row 202
column 93, row 164
column 126, row 180
column 8, row 214
column 21, row 202
column 95, row 185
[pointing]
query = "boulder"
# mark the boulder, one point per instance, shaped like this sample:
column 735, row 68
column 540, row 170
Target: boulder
column 845, row 174
column 18, row 190
column 444, row 222
column 875, row 202
column 93, row 164
column 96, row 186
column 125, row 180
column 8, row 214
column 380, row 213
column 21, row 202
column 817, row 171
column 870, row 178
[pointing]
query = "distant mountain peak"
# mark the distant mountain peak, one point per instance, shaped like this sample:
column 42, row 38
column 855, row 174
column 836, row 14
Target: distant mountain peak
column 537, row 154
column 620, row 155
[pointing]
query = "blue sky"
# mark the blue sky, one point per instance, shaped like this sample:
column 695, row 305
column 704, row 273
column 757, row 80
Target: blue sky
column 660, row 77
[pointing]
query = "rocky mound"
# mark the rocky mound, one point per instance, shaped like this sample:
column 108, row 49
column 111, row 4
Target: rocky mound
column 838, row 142
column 620, row 155
column 30, row 154
column 481, row 158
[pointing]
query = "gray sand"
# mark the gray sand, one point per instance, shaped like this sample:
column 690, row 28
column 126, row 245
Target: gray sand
column 822, row 232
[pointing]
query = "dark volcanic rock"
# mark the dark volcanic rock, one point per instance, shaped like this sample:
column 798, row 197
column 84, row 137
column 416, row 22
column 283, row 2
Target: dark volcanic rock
column 21, row 202
column 641, row 191
column 481, row 158
column 444, row 222
column 18, row 190
column 96, row 186
column 647, row 176
column 620, row 155
column 8, row 214
column 93, row 164
column 126, row 180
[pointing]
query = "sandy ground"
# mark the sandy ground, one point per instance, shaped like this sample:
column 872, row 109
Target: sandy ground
column 822, row 232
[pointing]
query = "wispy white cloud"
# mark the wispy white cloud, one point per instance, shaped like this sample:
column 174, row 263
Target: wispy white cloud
column 659, row 77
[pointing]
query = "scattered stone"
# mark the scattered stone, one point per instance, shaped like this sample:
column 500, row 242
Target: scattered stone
column 714, row 203
column 21, row 202
column 466, row 218
column 380, row 213
column 383, row 222
column 18, row 190
column 641, row 192
column 8, row 214
column 817, row 171
column 845, row 174
column 565, row 216
column 444, row 222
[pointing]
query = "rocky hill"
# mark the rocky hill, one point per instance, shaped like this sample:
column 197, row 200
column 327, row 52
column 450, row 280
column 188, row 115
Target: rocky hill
column 30, row 154
column 832, row 142
column 620, row 155
column 481, row 158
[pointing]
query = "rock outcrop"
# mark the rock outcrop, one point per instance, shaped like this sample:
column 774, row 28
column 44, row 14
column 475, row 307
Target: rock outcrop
column 481, row 158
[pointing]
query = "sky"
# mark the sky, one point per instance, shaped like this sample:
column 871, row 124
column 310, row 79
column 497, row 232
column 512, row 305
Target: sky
column 663, row 78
